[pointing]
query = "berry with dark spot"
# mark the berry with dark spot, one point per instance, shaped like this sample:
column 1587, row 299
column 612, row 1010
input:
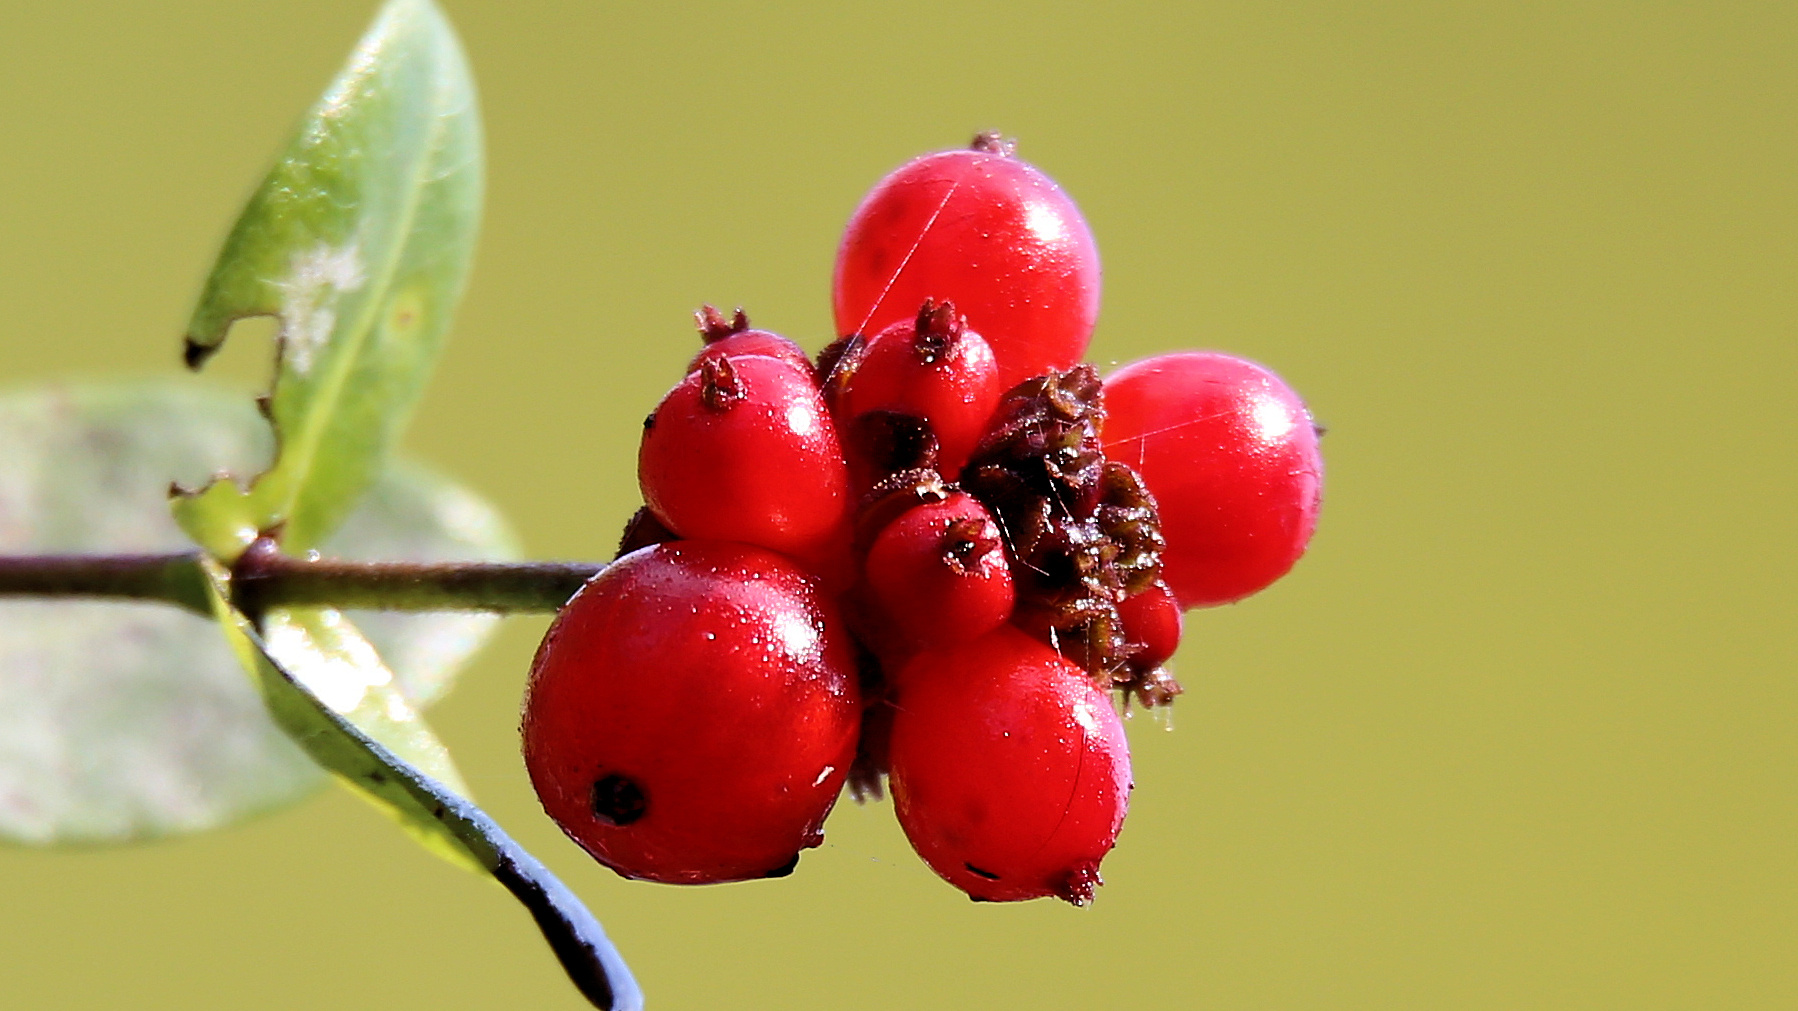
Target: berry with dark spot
column 693, row 713
column 1008, row 768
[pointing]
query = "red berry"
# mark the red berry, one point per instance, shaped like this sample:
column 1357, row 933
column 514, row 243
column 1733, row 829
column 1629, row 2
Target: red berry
column 991, row 233
column 1152, row 621
column 939, row 573
column 1009, row 768
column 744, row 450
column 733, row 337
column 1230, row 454
column 932, row 368
column 692, row 714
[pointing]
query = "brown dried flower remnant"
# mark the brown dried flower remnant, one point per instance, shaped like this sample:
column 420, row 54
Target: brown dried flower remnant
column 1082, row 531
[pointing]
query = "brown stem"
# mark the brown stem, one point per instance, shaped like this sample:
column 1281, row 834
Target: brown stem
column 171, row 579
column 265, row 578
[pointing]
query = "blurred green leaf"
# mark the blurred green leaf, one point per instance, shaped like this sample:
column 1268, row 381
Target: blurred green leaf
column 414, row 514
column 358, row 241
column 125, row 721
column 441, row 819
column 339, row 667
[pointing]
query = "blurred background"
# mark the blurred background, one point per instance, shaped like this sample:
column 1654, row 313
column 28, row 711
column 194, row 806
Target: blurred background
column 1518, row 732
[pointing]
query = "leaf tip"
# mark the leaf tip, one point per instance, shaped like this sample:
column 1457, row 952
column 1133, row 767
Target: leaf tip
column 194, row 353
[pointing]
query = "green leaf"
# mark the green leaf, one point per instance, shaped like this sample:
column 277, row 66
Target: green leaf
column 414, row 514
column 442, row 820
column 125, row 721
column 339, row 666
column 358, row 241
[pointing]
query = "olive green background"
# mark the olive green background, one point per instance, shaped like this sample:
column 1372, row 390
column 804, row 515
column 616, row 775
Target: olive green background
column 1521, row 731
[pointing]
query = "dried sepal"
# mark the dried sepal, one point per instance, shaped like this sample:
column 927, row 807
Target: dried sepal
column 1081, row 531
column 714, row 327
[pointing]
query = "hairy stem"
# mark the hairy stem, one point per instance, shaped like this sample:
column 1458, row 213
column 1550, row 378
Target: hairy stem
column 265, row 578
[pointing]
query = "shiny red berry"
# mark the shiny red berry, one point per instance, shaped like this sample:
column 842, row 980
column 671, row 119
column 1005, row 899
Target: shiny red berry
column 932, row 368
column 1009, row 769
column 733, row 337
column 987, row 231
column 692, row 714
column 1230, row 454
column 743, row 449
column 939, row 575
column 1152, row 622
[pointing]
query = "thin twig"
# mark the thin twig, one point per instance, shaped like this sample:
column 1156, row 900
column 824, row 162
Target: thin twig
column 171, row 579
column 264, row 578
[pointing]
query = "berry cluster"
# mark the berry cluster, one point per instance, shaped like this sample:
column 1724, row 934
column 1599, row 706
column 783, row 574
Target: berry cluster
column 926, row 559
